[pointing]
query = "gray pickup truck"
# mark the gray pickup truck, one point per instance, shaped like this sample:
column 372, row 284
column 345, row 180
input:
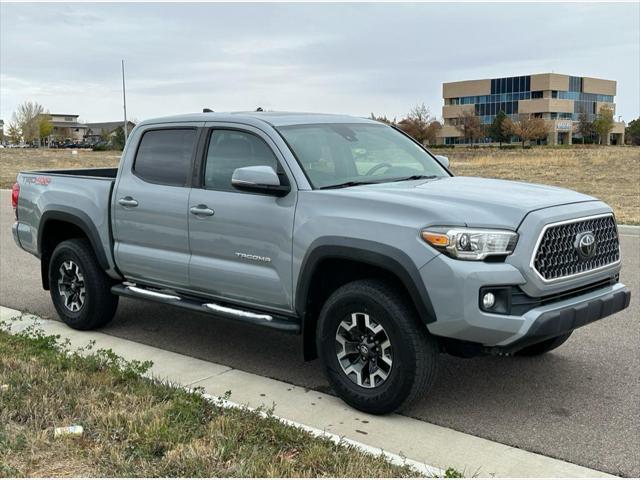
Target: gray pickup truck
column 340, row 229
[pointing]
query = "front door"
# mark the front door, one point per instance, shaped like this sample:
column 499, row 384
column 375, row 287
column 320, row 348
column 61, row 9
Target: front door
column 240, row 242
column 150, row 208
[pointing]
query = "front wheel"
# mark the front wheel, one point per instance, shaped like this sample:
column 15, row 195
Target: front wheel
column 377, row 355
column 79, row 288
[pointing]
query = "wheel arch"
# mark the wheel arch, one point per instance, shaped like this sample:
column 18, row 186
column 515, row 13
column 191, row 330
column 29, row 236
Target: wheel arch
column 76, row 224
column 356, row 259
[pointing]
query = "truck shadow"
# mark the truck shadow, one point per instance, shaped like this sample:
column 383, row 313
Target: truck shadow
column 493, row 382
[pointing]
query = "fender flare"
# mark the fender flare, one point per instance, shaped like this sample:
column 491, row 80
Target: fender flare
column 79, row 219
column 366, row 251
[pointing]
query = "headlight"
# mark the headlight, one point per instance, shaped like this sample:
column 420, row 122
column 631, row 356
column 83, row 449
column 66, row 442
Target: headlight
column 471, row 243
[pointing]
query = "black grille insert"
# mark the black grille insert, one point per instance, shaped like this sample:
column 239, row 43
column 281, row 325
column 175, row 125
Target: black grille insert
column 557, row 256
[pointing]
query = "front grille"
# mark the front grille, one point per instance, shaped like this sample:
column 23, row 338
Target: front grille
column 557, row 256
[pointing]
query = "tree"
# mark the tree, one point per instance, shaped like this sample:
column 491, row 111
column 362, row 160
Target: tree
column 495, row 130
column 632, row 132
column 118, row 140
column 45, row 127
column 382, row 119
column 420, row 125
column 27, row 119
column 585, row 126
column 13, row 133
column 432, row 132
column 470, row 126
column 527, row 128
column 603, row 124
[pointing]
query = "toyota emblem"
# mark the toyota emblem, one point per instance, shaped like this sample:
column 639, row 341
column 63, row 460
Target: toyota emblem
column 585, row 244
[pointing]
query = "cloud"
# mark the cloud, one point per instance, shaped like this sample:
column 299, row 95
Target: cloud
column 348, row 58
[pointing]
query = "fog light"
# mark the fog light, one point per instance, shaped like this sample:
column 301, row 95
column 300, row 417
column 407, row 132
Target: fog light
column 488, row 300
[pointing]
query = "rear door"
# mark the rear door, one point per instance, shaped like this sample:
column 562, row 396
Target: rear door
column 241, row 243
column 151, row 204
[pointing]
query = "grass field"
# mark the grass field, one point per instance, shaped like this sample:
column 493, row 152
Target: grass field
column 137, row 427
column 609, row 173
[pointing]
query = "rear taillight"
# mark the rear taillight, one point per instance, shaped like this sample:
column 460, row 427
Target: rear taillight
column 15, row 193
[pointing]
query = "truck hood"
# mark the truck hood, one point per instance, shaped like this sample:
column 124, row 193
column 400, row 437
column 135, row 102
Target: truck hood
column 472, row 201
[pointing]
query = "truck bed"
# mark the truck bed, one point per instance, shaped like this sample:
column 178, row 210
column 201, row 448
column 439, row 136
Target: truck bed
column 82, row 194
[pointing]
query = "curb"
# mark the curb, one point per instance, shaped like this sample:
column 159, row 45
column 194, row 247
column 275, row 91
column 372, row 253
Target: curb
column 629, row 229
column 399, row 438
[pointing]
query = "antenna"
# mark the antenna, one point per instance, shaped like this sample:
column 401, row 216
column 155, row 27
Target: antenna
column 124, row 103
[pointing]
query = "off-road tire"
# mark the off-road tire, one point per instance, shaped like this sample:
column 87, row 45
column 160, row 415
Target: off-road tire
column 415, row 351
column 99, row 305
column 544, row 346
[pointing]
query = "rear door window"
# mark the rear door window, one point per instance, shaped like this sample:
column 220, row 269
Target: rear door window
column 164, row 156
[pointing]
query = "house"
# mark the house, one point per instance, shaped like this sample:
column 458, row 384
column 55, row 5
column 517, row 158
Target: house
column 65, row 127
column 103, row 130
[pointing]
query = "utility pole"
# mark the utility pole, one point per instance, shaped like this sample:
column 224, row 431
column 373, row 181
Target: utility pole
column 124, row 103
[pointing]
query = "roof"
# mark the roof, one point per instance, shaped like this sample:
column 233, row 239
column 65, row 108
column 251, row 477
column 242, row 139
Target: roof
column 61, row 114
column 98, row 127
column 276, row 119
column 68, row 124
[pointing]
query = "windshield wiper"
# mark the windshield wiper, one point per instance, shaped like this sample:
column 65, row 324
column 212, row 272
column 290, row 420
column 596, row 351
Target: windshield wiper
column 413, row 177
column 352, row 183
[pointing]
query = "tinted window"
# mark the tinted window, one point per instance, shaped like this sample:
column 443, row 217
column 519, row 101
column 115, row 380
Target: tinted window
column 230, row 149
column 164, row 156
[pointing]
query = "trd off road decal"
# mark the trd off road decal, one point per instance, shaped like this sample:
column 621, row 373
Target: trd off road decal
column 38, row 180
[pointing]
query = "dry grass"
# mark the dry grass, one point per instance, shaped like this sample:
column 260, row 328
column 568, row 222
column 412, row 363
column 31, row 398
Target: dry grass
column 15, row 160
column 609, row 173
column 134, row 426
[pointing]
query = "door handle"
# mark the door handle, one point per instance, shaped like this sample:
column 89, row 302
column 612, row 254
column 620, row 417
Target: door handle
column 128, row 202
column 202, row 210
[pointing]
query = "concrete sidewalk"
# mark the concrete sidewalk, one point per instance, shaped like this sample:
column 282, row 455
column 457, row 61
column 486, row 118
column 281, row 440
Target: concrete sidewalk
column 414, row 439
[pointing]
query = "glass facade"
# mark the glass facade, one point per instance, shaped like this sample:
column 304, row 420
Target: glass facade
column 561, row 116
column 575, row 84
column 507, row 92
column 585, row 97
column 510, row 84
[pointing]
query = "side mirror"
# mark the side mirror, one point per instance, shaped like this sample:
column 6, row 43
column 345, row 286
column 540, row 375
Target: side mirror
column 259, row 179
column 443, row 160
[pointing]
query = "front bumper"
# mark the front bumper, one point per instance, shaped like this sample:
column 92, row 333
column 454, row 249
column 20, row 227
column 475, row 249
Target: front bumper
column 454, row 288
column 553, row 323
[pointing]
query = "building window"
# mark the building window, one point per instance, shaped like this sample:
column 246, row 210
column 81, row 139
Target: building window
column 554, row 94
column 536, row 94
column 510, row 85
column 575, row 84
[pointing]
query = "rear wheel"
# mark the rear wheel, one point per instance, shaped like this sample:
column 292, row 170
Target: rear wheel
column 544, row 346
column 79, row 288
column 377, row 355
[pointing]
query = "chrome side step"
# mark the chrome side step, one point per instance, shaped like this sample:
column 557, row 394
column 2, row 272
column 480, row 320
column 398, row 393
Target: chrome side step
column 152, row 293
column 238, row 313
column 278, row 322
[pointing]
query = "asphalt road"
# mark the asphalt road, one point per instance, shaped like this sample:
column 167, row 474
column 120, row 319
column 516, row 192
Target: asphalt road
column 580, row 403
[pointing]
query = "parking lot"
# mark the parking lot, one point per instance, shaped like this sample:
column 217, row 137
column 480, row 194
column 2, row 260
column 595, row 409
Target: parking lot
column 579, row 403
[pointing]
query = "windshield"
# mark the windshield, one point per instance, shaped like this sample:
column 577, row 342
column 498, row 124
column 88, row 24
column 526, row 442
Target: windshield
column 342, row 154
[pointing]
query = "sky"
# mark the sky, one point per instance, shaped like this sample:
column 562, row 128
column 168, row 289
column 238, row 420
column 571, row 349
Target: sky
column 337, row 58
